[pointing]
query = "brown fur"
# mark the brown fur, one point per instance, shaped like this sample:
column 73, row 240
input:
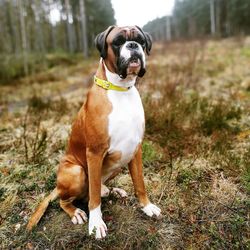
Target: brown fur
column 136, row 172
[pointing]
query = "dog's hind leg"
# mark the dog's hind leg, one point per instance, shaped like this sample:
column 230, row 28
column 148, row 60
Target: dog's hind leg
column 105, row 191
column 76, row 214
column 117, row 191
column 72, row 184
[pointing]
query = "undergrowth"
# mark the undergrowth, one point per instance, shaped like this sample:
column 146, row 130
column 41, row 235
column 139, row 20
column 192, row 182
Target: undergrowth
column 12, row 66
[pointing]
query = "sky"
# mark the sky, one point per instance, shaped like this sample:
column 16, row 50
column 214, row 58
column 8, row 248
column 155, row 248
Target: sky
column 139, row 12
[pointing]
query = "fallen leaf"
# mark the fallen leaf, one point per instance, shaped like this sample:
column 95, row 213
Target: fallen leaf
column 30, row 246
column 243, row 134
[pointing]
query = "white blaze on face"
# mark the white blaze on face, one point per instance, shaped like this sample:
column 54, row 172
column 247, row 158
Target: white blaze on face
column 126, row 52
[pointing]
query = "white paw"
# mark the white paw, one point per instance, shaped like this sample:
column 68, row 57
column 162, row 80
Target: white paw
column 99, row 227
column 120, row 192
column 96, row 223
column 79, row 217
column 151, row 210
column 104, row 191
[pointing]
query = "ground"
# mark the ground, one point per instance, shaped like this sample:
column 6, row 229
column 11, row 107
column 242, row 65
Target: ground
column 196, row 152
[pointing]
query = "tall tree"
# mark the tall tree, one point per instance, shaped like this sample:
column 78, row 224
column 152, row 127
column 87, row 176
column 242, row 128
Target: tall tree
column 39, row 43
column 212, row 17
column 84, row 29
column 52, row 26
column 10, row 26
column 69, row 27
column 23, row 36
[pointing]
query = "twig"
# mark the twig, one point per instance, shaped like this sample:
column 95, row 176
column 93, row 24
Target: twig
column 36, row 138
column 24, row 135
column 170, row 164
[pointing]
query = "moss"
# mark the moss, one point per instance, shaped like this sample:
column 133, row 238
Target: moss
column 245, row 52
column 246, row 179
column 149, row 153
column 214, row 117
column 50, row 183
column 2, row 191
column 186, row 176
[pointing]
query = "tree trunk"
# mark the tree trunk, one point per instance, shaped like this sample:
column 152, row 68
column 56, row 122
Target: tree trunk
column 218, row 19
column 176, row 27
column 168, row 28
column 69, row 30
column 23, row 36
column 212, row 17
column 10, row 27
column 84, row 29
column 39, row 32
column 52, row 28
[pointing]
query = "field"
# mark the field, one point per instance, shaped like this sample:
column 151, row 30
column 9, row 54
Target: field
column 196, row 152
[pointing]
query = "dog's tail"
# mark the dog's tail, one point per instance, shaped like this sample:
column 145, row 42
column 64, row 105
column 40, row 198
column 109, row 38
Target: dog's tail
column 40, row 210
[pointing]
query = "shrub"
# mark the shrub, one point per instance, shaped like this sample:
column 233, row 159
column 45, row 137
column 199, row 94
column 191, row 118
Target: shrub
column 218, row 116
column 12, row 66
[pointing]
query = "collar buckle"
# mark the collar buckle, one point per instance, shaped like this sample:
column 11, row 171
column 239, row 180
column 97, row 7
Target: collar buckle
column 106, row 84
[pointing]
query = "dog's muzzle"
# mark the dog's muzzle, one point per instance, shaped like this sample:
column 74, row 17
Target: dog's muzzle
column 131, row 60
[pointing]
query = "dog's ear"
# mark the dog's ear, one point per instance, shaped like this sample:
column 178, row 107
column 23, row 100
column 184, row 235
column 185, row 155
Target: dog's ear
column 148, row 42
column 148, row 39
column 100, row 41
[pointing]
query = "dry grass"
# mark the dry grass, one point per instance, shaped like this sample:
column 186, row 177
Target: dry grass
column 196, row 154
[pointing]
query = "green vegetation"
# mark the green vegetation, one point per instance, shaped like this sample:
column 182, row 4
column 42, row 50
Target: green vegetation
column 150, row 153
column 246, row 171
column 195, row 153
column 216, row 117
column 12, row 68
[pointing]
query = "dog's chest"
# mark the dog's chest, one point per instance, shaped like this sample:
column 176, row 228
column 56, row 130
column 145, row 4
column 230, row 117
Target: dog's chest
column 126, row 123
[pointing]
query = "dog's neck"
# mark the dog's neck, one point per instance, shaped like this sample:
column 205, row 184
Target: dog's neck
column 129, row 81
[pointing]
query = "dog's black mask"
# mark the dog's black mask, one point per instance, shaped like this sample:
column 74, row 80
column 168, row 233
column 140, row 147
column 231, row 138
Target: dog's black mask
column 137, row 35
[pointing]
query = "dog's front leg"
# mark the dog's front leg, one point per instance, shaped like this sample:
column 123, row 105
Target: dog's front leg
column 136, row 171
column 96, row 223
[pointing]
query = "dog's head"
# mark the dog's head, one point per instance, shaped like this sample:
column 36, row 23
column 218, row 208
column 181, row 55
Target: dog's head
column 123, row 49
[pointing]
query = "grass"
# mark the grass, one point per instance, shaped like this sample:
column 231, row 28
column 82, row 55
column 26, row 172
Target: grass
column 12, row 67
column 195, row 154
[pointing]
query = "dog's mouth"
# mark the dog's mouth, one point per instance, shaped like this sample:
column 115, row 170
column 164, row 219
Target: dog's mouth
column 131, row 66
column 134, row 63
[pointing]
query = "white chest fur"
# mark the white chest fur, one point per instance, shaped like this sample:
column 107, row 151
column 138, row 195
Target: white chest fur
column 126, row 123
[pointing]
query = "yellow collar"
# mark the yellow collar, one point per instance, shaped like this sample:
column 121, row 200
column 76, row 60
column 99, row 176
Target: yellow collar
column 108, row 85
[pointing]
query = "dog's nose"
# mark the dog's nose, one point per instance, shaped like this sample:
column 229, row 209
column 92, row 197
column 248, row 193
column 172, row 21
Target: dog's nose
column 132, row 46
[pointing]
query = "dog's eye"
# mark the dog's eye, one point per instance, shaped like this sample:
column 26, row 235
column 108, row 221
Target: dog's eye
column 120, row 41
column 142, row 43
column 140, row 40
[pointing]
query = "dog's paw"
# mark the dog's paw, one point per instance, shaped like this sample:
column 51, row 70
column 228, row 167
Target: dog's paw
column 122, row 193
column 79, row 217
column 99, row 228
column 151, row 210
column 104, row 191
column 96, row 224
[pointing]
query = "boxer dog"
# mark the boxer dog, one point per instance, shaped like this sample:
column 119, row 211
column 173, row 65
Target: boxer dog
column 107, row 133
